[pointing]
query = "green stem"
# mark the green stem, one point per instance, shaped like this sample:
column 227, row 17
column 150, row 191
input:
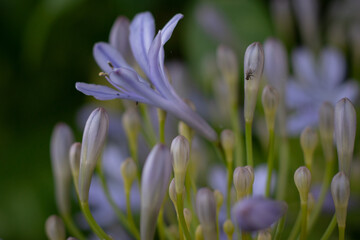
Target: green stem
column 147, row 130
column 72, row 228
column 324, row 188
column 131, row 227
column 283, row 169
column 91, row 221
column 235, row 121
column 180, row 208
column 217, row 224
column 161, row 128
column 128, row 208
column 303, row 220
column 341, row 233
column 160, row 223
column 228, row 190
column 248, row 135
column 329, row 229
column 245, row 236
column 270, row 162
column 279, row 228
column 295, row 228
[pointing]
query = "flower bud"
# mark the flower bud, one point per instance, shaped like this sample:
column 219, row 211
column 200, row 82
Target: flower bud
column 257, row 213
column 253, row 69
column 340, row 190
column 55, row 228
column 345, row 130
column 132, row 125
column 93, row 142
column 188, row 217
column 227, row 138
column 219, row 199
column 326, row 127
column 242, row 181
column 61, row 140
column 206, row 210
column 251, row 171
column 264, row 235
column 172, row 192
column 180, row 151
column 199, row 234
column 270, row 101
column 129, row 172
column 308, row 141
column 229, row 228
column 154, row 184
column 75, row 153
column 302, row 178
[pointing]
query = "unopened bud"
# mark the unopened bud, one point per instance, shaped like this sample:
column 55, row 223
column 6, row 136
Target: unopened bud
column 326, row 127
column 199, row 234
column 340, row 190
column 129, row 172
column 308, row 141
column 172, row 192
column 61, row 140
column 75, row 153
column 154, row 184
column 302, row 178
column 131, row 123
column 251, row 171
column 345, row 130
column 253, row 69
column 55, row 228
column 227, row 138
column 228, row 228
column 270, row 101
column 188, row 217
column 180, row 150
column 206, row 210
column 219, row 199
column 264, row 235
column 93, row 142
column 243, row 182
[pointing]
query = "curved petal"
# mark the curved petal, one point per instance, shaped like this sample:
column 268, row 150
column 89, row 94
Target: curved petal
column 105, row 53
column 304, row 66
column 142, row 31
column 296, row 95
column 169, row 28
column 98, row 91
column 332, row 68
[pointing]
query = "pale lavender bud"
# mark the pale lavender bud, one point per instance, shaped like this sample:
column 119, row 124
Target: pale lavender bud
column 243, row 181
column 308, row 142
column 340, row 190
column 270, row 100
column 55, row 228
column 93, row 142
column 180, row 151
column 345, row 130
column 257, row 213
column 326, row 127
column 61, row 140
column 154, row 185
column 75, row 155
column 206, row 210
column 302, row 178
column 253, row 69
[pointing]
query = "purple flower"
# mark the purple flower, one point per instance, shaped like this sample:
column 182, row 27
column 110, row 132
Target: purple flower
column 148, row 52
column 257, row 213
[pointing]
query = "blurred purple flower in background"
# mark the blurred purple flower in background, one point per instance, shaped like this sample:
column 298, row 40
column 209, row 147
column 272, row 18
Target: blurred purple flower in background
column 316, row 81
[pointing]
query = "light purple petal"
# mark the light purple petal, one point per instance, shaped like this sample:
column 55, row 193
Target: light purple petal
column 142, row 31
column 296, row 95
column 169, row 28
column 105, row 53
column 306, row 116
column 332, row 67
column 304, row 66
column 349, row 89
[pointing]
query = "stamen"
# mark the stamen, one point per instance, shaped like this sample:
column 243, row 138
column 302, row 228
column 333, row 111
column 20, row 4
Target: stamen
column 103, row 74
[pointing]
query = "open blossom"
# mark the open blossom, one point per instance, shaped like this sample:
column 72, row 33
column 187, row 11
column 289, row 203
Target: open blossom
column 316, row 82
column 149, row 55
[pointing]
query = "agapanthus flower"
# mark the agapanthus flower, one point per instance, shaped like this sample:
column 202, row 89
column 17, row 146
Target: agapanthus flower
column 316, row 82
column 149, row 55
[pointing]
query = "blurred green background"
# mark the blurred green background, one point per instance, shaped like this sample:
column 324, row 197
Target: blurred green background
column 45, row 47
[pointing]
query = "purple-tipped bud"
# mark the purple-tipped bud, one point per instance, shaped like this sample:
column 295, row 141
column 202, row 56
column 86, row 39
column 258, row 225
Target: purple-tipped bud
column 308, row 142
column 340, row 190
column 154, row 185
column 61, row 140
column 180, row 150
column 257, row 213
column 93, row 142
column 243, row 181
column 75, row 153
column 206, row 210
column 326, row 127
column 345, row 130
column 253, row 69
column 55, row 228
column 270, row 100
column 302, row 178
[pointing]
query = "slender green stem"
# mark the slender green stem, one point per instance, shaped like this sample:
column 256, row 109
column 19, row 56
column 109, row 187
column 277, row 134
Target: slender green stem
column 279, row 228
column 129, row 226
column 72, row 228
column 160, row 223
column 147, row 130
column 235, row 121
column 92, row 223
column 128, row 207
column 162, row 129
column 217, row 224
column 341, row 233
column 295, row 228
column 245, row 236
column 248, row 135
column 324, row 188
column 228, row 190
column 283, row 169
column 270, row 162
column 180, row 208
column 303, row 221
column 329, row 229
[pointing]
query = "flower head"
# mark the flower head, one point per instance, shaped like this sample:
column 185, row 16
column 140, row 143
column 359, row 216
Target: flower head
column 148, row 51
